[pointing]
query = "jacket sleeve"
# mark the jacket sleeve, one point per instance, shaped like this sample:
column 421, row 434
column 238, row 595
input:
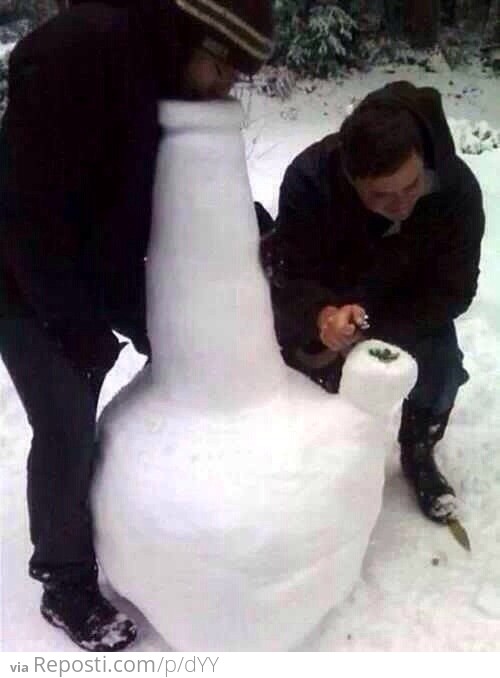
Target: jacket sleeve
column 446, row 287
column 297, row 295
column 46, row 125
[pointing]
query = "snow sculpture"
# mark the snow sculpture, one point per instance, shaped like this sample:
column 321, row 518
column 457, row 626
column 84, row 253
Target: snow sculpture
column 375, row 375
column 234, row 500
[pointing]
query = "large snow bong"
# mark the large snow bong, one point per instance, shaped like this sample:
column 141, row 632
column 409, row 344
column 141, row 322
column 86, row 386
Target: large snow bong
column 234, row 499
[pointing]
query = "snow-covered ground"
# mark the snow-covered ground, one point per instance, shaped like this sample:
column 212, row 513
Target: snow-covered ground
column 6, row 49
column 419, row 589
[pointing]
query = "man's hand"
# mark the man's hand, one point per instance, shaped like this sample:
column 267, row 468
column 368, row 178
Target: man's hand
column 339, row 328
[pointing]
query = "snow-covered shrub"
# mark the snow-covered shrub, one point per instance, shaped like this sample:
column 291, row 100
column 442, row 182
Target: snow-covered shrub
column 314, row 45
column 36, row 11
column 5, row 51
column 275, row 81
column 13, row 31
column 3, row 85
column 474, row 138
column 10, row 34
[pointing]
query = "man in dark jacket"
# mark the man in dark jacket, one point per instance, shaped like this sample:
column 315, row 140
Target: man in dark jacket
column 378, row 235
column 77, row 154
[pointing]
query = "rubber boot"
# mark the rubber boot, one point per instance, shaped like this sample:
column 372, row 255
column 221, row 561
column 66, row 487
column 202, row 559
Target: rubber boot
column 419, row 432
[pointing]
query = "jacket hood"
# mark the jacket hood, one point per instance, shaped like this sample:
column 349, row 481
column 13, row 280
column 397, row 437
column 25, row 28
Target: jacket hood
column 424, row 103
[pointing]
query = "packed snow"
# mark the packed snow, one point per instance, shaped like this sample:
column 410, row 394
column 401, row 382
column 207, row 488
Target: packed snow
column 251, row 527
column 375, row 386
column 418, row 590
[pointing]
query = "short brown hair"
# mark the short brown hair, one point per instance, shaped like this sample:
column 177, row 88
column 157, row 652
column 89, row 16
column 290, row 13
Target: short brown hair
column 377, row 137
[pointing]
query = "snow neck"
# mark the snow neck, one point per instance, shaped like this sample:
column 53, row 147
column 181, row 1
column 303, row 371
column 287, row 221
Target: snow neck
column 209, row 313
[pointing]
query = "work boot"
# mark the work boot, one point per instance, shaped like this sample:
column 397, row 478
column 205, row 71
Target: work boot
column 420, row 431
column 86, row 616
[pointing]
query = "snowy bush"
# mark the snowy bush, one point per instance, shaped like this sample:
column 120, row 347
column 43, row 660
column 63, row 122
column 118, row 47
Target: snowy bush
column 314, row 45
column 3, row 86
column 10, row 34
column 275, row 81
column 4, row 61
column 474, row 138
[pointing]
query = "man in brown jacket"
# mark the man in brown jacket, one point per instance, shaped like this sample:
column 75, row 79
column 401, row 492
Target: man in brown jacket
column 77, row 155
column 378, row 235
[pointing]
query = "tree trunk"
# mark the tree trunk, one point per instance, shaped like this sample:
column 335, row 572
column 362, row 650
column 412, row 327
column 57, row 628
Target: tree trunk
column 43, row 10
column 463, row 11
column 492, row 29
column 7, row 7
column 370, row 14
column 472, row 14
column 448, row 11
column 421, row 21
column 393, row 16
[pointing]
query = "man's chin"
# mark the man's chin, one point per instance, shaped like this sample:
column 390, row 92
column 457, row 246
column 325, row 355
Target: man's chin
column 398, row 216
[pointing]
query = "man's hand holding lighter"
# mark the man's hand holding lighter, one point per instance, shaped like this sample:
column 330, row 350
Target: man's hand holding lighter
column 341, row 328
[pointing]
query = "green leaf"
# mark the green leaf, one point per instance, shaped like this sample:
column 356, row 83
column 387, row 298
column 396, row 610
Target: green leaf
column 384, row 355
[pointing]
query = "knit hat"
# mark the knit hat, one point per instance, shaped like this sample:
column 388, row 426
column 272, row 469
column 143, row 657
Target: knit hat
column 236, row 31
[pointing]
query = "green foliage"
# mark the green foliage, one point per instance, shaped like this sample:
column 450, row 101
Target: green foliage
column 384, row 355
column 352, row 7
column 315, row 45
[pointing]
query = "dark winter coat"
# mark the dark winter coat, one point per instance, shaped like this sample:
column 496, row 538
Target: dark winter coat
column 77, row 154
column 328, row 249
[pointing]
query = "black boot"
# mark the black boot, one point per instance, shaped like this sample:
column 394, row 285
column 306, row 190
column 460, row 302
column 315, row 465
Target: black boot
column 419, row 433
column 86, row 616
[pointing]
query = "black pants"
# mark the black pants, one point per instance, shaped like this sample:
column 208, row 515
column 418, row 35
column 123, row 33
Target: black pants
column 440, row 370
column 61, row 409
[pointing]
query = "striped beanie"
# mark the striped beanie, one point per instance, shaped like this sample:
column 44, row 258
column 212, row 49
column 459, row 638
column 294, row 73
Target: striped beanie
column 236, row 31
